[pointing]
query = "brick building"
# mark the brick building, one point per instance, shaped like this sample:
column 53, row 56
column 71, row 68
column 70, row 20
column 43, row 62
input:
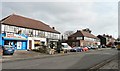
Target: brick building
column 82, row 38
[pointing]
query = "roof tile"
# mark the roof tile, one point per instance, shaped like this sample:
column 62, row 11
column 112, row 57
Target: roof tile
column 82, row 33
column 20, row 21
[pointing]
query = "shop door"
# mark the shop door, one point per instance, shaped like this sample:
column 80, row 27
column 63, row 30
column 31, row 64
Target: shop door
column 30, row 44
column 19, row 45
column 24, row 45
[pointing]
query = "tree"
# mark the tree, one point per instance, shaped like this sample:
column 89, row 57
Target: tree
column 68, row 33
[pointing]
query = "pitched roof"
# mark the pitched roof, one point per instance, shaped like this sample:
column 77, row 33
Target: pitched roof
column 21, row 21
column 101, row 36
column 82, row 34
column 105, row 37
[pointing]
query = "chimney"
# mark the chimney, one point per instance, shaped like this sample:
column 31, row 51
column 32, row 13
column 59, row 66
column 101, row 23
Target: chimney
column 53, row 28
column 104, row 35
column 110, row 36
column 78, row 30
column 87, row 30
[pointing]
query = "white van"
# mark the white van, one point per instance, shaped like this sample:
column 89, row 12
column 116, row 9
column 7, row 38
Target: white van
column 65, row 47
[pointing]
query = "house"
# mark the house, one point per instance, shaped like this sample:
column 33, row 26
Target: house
column 82, row 38
column 26, row 33
column 107, row 40
column 102, row 40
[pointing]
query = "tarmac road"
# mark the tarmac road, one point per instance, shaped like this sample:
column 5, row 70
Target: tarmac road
column 83, row 60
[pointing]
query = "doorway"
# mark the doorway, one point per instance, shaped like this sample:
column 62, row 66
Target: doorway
column 30, row 44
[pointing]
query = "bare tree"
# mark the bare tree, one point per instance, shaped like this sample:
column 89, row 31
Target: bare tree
column 68, row 33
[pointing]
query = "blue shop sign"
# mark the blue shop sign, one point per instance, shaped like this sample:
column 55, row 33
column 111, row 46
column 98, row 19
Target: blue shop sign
column 19, row 41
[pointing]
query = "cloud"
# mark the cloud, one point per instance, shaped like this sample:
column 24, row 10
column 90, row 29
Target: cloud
column 60, row 0
column 101, row 17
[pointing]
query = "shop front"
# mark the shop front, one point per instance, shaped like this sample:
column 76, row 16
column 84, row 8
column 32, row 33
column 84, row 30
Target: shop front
column 19, row 41
column 54, row 41
column 35, row 42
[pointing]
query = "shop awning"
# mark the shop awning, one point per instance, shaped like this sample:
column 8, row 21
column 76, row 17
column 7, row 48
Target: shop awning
column 7, row 38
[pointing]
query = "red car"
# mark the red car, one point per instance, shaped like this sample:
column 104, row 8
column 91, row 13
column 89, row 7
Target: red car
column 85, row 49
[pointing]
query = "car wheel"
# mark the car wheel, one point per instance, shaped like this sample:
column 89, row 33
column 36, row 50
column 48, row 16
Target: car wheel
column 11, row 54
column 4, row 54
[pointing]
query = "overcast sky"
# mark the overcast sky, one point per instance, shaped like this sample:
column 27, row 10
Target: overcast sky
column 100, row 17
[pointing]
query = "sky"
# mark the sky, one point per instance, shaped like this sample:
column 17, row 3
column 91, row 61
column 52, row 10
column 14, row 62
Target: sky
column 99, row 16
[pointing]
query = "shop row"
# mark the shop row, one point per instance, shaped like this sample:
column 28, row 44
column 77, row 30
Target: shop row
column 23, row 42
column 26, row 33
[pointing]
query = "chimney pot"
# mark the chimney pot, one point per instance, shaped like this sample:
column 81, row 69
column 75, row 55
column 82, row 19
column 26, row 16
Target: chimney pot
column 78, row 30
column 53, row 28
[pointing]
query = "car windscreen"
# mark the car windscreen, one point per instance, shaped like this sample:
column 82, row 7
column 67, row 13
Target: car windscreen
column 65, row 46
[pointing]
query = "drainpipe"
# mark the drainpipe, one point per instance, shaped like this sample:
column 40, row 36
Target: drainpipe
column 0, row 35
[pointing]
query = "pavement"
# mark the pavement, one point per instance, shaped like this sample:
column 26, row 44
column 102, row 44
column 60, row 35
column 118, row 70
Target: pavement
column 25, row 55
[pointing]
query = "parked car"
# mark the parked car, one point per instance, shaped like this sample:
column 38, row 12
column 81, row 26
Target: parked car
column 8, row 50
column 76, row 49
column 89, row 47
column 94, row 47
column 103, row 46
column 85, row 49
column 113, row 46
column 66, row 47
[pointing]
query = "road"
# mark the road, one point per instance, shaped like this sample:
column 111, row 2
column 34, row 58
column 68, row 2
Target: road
column 83, row 60
column 111, row 65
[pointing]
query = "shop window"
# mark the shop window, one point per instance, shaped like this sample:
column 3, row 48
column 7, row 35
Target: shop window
column 42, row 43
column 20, row 32
column 41, row 34
column 25, row 31
column 11, row 28
column 49, row 35
column 33, row 32
column 37, row 43
column 46, row 34
column 6, row 28
column 30, row 33
column 15, row 30
column 3, row 27
column 6, row 42
column 37, row 33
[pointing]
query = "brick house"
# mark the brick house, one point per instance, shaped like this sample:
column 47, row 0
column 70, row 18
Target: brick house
column 106, row 40
column 82, row 38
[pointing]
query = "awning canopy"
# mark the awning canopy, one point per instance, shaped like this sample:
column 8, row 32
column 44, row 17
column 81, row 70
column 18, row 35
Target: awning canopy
column 7, row 38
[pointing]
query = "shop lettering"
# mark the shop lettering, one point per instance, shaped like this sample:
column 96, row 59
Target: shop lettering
column 13, row 36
